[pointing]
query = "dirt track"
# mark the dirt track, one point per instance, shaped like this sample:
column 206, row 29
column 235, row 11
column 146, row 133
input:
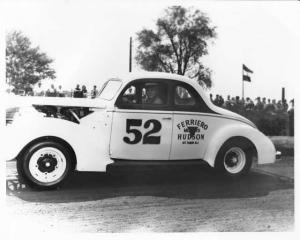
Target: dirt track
column 155, row 199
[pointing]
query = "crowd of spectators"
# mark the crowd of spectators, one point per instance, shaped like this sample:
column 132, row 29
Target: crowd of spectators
column 83, row 92
column 273, row 117
column 237, row 104
column 52, row 91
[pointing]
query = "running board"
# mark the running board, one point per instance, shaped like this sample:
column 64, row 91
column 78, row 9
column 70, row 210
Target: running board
column 119, row 162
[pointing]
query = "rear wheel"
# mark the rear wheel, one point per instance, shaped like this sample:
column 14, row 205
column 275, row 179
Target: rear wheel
column 234, row 159
column 45, row 165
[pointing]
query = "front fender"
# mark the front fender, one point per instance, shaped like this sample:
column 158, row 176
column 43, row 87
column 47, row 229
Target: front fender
column 266, row 152
column 91, row 151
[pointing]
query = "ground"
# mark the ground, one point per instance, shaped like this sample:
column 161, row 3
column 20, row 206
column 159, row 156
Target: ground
column 157, row 199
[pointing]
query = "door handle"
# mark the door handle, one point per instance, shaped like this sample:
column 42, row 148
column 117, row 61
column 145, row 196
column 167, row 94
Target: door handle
column 167, row 118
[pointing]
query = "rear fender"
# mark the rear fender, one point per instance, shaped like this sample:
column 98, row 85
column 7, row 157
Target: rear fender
column 264, row 147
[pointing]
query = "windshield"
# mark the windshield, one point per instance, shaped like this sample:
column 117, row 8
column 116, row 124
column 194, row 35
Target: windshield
column 109, row 89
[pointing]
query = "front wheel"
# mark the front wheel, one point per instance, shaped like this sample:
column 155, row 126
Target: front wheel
column 45, row 165
column 234, row 159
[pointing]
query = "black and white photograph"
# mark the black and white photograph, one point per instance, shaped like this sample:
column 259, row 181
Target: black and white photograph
column 148, row 116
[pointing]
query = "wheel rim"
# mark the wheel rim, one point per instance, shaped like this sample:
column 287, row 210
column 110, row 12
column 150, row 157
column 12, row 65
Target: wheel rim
column 47, row 165
column 234, row 160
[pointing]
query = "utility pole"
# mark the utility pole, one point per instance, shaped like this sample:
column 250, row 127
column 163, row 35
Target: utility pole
column 282, row 94
column 130, row 54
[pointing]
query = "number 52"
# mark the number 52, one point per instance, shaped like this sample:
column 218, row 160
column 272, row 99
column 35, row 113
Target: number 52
column 147, row 139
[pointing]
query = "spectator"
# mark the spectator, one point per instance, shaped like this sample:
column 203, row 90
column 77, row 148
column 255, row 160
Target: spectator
column 215, row 101
column 270, row 107
column 249, row 105
column 220, row 101
column 238, row 104
column 51, row 92
column 38, row 90
column 264, row 103
column 233, row 102
column 84, row 91
column 259, row 105
column 279, row 106
column 94, row 92
column 77, row 92
column 274, row 105
column 60, row 92
column 228, row 103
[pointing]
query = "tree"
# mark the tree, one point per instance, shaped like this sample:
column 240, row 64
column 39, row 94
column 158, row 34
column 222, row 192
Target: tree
column 25, row 64
column 178, row 44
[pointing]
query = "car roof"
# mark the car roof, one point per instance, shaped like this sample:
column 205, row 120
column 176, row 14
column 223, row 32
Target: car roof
column 155, row 75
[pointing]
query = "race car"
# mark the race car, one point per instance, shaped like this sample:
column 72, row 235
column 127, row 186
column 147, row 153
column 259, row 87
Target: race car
column 154, row 117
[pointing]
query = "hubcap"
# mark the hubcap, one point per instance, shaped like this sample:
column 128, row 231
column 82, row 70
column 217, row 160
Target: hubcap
column 234, row 160
column 47, row 165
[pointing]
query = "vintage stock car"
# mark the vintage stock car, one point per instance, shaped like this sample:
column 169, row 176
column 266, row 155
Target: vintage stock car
column 147, row 117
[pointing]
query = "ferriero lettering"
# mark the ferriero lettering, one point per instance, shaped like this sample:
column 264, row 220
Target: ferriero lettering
column 192, row 122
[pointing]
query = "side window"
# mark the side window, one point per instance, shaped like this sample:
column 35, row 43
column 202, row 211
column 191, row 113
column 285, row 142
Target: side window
column 186, row 98
column 145, row 94
column 183, row 97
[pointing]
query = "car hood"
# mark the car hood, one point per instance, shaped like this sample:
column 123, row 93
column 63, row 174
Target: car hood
column 19, row 101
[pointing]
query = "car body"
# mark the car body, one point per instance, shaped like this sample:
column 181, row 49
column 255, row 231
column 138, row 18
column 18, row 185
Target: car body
column 124, row 123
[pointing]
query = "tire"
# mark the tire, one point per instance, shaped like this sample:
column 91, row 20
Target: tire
column 45, row 165
column 234, row 159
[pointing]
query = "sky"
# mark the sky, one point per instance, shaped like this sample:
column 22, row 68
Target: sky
column 89, row 40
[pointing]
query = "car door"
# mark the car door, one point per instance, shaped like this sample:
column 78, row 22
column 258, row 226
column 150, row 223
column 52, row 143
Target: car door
column 190, row 124
column 142, row 129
